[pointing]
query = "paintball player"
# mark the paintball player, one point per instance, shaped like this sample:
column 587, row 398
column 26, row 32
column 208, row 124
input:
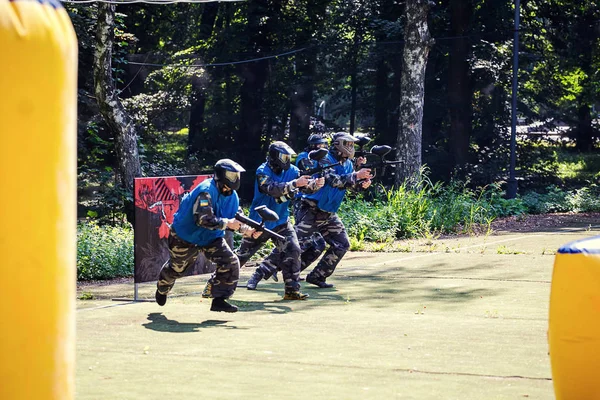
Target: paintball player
column 317, row 211
column 277, row 182
column 199, row 226
column 315, row 142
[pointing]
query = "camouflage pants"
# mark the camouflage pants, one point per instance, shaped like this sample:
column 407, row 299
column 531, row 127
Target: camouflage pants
column 285, row 256
column 184, row 254
column 314, row 247
column 311, row 219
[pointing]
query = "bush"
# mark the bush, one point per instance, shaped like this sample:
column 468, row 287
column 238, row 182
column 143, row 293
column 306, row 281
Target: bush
column 426, row 209
column 554, row 200
column 104, row 252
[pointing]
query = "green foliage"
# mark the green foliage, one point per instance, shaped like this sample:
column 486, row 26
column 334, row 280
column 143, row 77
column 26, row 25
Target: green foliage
column 554, row 199
column 424, row 211
column 104, row 198
column 104, row 252
column 86, row 296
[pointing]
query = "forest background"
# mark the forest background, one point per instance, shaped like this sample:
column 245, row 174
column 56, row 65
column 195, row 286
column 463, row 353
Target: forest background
column 168, row 89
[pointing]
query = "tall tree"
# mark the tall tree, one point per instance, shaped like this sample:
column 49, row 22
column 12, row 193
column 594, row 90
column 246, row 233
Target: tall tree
column 308, row 31
column 111, row 108
column 262, row 17
column 573, row 31
column 459, row 87
column 416, row 50
column 198, row 98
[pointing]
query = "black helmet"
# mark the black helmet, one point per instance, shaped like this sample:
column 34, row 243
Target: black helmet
column 280, row 156
column 315, row 141
column 343, row 144
column 228, row 172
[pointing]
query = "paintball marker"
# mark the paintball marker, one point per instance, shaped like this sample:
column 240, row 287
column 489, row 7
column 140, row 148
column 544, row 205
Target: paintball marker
column 361, row 143
column 267, row 215
column 380, row 151
column 318, row 155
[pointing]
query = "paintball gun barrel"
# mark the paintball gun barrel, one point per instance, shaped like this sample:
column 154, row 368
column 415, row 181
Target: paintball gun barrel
column 266, row 215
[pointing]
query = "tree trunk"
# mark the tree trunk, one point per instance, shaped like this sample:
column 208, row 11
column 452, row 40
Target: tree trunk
column 459, row 87
column 584, row 137
column 382, row 99
column 198, row 100
column 353, row 91
column 112, row 109
column 302, row 99
column 416, row 49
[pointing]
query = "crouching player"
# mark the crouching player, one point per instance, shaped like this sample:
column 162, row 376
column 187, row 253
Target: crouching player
column 277, row 182
column 199, row 226
column 317, row 211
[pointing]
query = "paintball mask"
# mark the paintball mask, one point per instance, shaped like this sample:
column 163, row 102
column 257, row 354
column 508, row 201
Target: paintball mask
column 343, row 144
column 280, row 156
column 228, row 172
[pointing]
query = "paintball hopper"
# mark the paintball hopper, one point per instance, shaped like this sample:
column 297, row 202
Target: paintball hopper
column 381, row 150
column 363, row 141
column 318, row 154
column 266, row 214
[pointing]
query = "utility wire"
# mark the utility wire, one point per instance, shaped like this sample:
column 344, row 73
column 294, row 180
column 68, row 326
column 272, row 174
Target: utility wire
column 477, row 36
column 221, row 63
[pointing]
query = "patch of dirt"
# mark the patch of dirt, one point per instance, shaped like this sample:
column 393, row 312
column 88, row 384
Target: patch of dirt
column 531, row 223
column 83, row 284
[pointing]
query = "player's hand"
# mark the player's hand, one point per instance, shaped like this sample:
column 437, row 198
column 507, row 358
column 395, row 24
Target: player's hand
column 302, row 181
column 234, row 225
column 366, row 183
column 319, row 182
column 364, row 173
column 360, row 161
column 253, row 233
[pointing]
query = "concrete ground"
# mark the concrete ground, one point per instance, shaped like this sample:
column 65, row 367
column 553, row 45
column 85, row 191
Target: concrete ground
column 461, row 318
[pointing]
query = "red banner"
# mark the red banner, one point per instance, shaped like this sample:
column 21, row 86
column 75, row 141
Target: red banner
column 156, row 201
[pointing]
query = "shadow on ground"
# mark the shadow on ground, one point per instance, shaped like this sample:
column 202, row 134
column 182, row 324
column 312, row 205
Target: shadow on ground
column 158, row 322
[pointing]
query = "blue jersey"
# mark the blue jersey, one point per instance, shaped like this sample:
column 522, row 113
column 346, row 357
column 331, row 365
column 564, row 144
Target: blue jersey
column 260, row 198
column 330, row 198
column 223, row 207
column 299, row 158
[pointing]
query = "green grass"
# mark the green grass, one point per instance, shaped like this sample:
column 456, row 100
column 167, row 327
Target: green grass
column 410, row 325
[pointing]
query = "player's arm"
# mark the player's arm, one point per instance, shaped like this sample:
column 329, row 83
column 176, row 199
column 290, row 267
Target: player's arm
column 204, row 215
column 281, row 191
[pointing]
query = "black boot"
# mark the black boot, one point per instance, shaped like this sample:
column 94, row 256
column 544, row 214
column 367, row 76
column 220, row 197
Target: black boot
column 254, row 279
column 219, row 304
column 320, row 282
column 295, row 295
column 161, row 299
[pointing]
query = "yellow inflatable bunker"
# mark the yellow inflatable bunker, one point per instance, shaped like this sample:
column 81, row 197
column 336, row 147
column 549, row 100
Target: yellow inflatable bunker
column 574, row 326
column 38, row 183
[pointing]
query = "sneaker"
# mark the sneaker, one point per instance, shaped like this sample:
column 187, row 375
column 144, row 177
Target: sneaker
column 161, row 299
column 254, row 279
column 219, row 304
column 320, row 282
column 275, row 277
column 207, row 292
column 295, row 296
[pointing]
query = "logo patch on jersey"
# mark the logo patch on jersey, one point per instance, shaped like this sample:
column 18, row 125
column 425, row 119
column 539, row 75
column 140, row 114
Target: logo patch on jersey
column 262, row 179
column 203, row 202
